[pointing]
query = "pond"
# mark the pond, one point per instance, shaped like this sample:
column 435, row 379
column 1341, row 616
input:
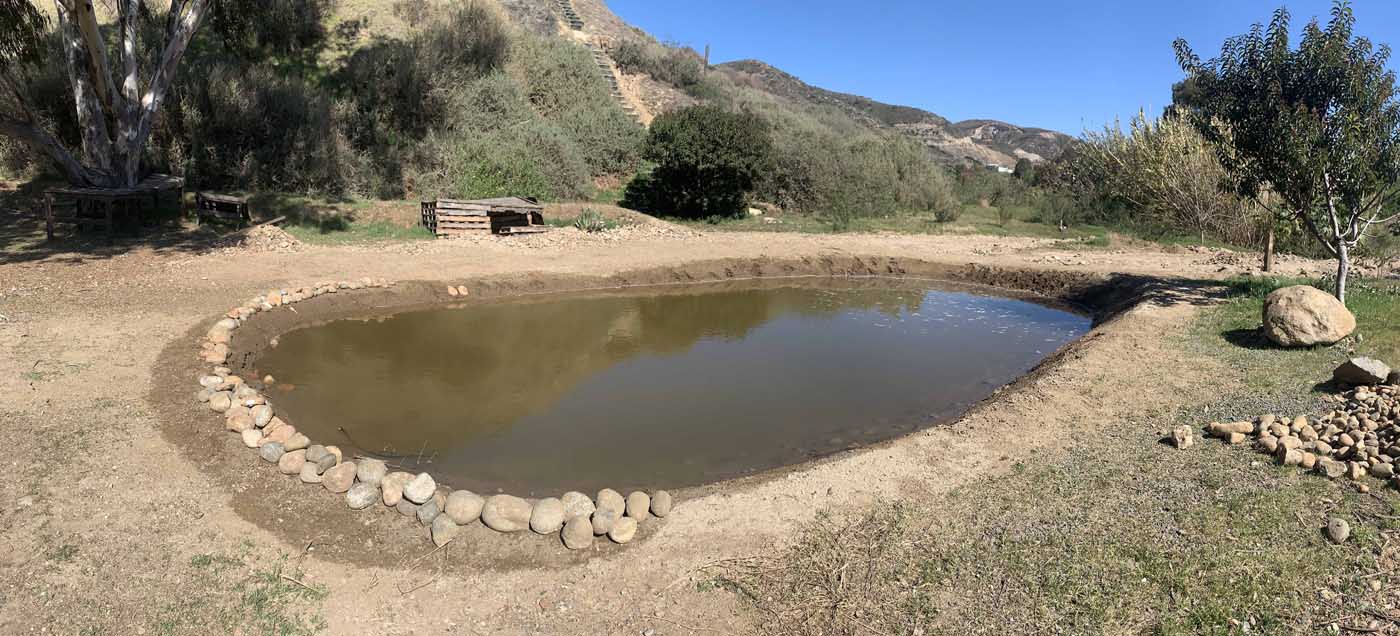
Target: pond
column 660, row 387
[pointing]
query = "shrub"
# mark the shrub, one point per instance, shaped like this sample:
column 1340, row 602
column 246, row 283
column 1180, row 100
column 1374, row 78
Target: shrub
column 948, row 214
column 589, row 220
column 678, row 66
column 562, row 84
column 707, row 161
column 1160, row 176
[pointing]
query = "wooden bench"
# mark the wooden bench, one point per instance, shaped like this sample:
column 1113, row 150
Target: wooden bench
column 106, row 208
column 221, row 208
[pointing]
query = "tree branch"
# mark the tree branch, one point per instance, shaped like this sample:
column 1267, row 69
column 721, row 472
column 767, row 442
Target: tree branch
column 46, row 143
column 101, row 74
column 184, row 28
column 128, row 116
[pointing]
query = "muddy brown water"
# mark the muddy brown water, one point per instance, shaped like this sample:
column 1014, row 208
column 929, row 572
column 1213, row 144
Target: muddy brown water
column 661, row 387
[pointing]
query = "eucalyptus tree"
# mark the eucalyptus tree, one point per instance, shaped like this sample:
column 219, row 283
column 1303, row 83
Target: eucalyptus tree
column 1316, row 128
column 116, row 109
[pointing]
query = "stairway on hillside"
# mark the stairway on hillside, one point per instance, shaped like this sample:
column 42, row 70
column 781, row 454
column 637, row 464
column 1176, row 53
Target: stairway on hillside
column 610, row 77
column 570, row 16
column 566, row 7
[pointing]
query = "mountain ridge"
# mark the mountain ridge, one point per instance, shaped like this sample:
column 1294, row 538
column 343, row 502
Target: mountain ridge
column 986, row 141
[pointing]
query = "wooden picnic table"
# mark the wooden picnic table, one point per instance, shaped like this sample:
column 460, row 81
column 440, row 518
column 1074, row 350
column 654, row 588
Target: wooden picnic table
column 107, row 207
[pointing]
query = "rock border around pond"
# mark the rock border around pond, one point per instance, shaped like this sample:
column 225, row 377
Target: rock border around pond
column 574, row 518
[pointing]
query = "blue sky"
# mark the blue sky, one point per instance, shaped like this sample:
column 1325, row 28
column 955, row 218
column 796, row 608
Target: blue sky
column 1057, row 64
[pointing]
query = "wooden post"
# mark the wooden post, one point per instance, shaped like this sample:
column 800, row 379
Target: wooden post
column 48, row 225
column 107, row 212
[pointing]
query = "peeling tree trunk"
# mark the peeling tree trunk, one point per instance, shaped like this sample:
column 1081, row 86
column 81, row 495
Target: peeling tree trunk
column 92, row 119
column 1343, row 267
column 1269, row 250
column 115, row 124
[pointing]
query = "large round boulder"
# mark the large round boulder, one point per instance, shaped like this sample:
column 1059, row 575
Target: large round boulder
column 1302, row 316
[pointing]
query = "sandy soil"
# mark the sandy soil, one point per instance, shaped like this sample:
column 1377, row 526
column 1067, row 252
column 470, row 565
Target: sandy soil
column 106, row 452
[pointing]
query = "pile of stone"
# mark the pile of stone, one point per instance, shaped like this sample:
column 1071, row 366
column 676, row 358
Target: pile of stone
column 262, row 238
column 1360, row 436
column 574, row 517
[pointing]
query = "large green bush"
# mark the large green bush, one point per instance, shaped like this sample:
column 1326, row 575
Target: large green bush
column 707, row 161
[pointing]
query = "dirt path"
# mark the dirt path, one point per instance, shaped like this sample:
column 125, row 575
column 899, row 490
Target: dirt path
column 107, row 508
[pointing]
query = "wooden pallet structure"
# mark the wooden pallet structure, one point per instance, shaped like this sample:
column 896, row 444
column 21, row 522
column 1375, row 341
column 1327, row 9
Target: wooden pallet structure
column 221, row 208
column 447, row 218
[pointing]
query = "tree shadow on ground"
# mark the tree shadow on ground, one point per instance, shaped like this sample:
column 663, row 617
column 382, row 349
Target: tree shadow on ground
column 168, row 229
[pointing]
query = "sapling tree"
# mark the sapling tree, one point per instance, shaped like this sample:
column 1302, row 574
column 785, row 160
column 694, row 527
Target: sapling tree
column 1318, row 126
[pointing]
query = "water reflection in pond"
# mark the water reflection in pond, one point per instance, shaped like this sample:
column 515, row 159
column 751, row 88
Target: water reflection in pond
column 662, row 387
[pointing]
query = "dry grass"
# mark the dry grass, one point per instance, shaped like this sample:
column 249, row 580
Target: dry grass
column 852, row 576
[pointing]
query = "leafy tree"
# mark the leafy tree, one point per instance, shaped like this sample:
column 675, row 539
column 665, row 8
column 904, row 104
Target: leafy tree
column 707, row 161
column 1318, row 126
column 115, row 112
column 1025, row 170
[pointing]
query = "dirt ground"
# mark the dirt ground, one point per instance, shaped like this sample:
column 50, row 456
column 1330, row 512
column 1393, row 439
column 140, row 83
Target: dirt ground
column 119, row 493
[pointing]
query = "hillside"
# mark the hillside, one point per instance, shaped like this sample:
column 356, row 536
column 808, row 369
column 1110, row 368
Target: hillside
column 979, row 141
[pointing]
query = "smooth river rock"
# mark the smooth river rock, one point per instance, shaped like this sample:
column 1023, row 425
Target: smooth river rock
column 547, row 517
column 428, row 511
column 638, row 506
column 464, row 506
column 661, row 503
column 603, row 520
column 623, row 530
column 220, row 401
column 577, row 504
column 262, row 414
column 444, row 530
column 577, row 533
column 420, row 488
column 371, row 471
column 1302, row 316
column 392, row 486
column 280, row 434
column 291, row 463
column 251, row 437
column 361, row 496
column 271, row 452
column 308, row 474
column 339, row 478
column 506, row 513
column 297, row 441
column 612, row 500
column 238, row 422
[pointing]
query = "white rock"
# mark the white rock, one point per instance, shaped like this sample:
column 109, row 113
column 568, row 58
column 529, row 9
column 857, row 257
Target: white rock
column 623, row 530
column 547, row 517
column 577, row 504
column 420, row 488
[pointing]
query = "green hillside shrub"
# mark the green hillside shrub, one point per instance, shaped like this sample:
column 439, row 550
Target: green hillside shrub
column 707, row 161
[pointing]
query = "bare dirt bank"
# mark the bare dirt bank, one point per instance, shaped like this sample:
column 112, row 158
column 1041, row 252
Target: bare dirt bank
column 107, row 458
